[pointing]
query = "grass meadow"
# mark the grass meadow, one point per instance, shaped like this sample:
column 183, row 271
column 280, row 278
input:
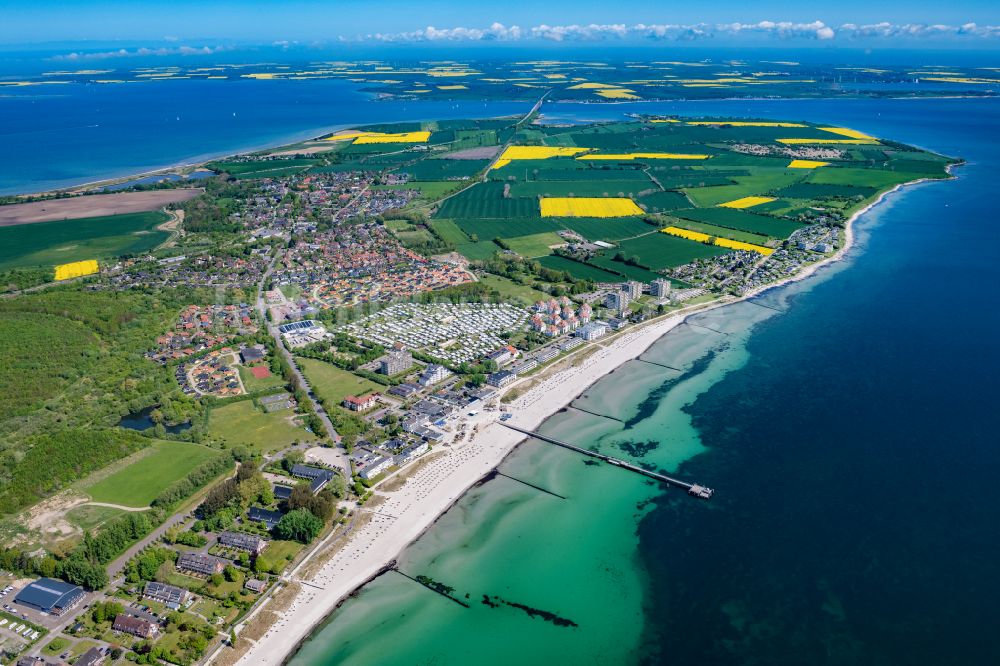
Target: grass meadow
column 242, row 423
column 139, row 483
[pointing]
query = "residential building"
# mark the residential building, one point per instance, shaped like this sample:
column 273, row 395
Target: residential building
column 572, row 343
column 617, row 301
column 135, row 626
column 266, row 516
column 317, row 476
column 524, row 366
column 242, row 541
column 92, row 657
column 660, row 288
column 502, row 356
column 49, row 595
column 197, row 563
column 633, row 289
column 255, row 585
column 411, row 453
column 376, row 467
column 281, row 491
column 252, row 354
column 501, row 379
column 395, row 362
column 362, row 403
column 546, row 355
column 404, row 390
column 170, row 596
column 433, row 374
column 592, row 331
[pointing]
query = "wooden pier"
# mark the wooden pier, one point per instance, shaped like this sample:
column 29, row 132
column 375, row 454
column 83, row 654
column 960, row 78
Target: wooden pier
column 692, row 489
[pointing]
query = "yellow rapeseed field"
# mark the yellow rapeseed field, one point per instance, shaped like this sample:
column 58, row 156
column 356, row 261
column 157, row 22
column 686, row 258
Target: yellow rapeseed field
column 592, row 86
column 849, row 133
column 740, row 123
column 617, row 93
column 588, row 207
column 806, row 164
column 664, row 120
column 76, row 269
column 395, row 137
column 455, row 87
column 721, row 242
column 746, row 202
column 512, row 153
column 648, row 156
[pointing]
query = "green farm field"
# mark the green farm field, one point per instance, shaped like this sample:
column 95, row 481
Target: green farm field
column 241, row 423
column 509, row 289
column 535, row 245
column 578, row 270
column 63, row 241
column 657, row 250
column 139, row 483
column 333, row 384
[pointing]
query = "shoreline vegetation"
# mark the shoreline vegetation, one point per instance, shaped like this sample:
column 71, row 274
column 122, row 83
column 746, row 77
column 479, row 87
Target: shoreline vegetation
column 551, row 392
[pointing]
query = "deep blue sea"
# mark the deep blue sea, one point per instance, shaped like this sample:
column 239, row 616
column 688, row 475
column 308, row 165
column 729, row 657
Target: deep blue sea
column 855, row 452
column 58, row 136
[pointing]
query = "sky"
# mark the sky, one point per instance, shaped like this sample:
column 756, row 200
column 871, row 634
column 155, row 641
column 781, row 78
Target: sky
column 195, row 24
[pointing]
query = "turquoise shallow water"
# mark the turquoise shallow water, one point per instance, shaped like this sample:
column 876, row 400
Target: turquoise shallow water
column 847, row 428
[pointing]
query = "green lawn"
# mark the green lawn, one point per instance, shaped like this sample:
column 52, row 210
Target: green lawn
column 241, row 423
column 139, row 483
column 55, row 647
column 253, row 384
column 63, row 241
column 510, row 289
column 281, row 552
column 535, row 245
column 333, row 384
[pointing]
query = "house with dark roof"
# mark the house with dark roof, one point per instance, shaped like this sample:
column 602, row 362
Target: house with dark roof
column 251, row 354
column 242, row 541
column 49, row 595
column 92, row 657
column 266, row 516
column 168, row 595
column 135, row 626
column 317, row 476
column 282, row 492
column 205, row 565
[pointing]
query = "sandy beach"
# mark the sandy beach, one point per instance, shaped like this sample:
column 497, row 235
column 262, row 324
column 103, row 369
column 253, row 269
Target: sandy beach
column 401, row 516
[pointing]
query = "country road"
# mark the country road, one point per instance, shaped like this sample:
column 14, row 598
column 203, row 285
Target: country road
column 341, row 456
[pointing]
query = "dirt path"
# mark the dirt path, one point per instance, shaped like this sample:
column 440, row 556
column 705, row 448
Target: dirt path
column 121, row 507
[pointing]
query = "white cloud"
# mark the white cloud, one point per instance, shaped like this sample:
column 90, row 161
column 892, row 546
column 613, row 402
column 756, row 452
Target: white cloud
column 496, row 32
column 918, row 30
column 783, row 30
column 141, row 52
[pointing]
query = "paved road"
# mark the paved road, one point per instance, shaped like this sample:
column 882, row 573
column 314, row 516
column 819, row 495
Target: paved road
column 118, row 565
column 341, row 458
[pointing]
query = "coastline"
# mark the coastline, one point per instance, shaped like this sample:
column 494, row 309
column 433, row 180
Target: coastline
column 200, row 161
column 438, row 486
